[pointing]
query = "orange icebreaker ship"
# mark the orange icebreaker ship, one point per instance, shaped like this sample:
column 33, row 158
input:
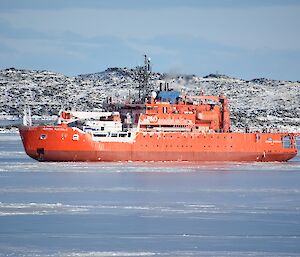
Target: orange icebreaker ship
column 170, row 127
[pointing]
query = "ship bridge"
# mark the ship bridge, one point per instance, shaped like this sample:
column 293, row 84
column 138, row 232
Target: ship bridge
column 172, row 111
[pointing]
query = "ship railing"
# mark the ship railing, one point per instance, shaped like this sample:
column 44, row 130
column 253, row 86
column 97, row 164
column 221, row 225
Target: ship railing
column 265, row 130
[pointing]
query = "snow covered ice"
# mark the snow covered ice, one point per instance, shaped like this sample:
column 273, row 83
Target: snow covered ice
column 146, row 209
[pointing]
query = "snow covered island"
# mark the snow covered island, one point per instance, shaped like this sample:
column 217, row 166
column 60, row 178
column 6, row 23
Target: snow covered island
column 256, row 104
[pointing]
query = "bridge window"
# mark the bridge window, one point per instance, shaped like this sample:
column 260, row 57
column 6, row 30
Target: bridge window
column 99, row 135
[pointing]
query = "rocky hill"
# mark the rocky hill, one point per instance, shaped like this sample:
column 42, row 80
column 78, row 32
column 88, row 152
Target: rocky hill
column 254, row 103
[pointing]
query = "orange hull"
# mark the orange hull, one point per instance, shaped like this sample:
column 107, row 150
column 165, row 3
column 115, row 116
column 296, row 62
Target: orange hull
column 59, row 145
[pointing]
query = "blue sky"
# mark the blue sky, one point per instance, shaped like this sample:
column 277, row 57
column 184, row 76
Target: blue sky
column 245, row 39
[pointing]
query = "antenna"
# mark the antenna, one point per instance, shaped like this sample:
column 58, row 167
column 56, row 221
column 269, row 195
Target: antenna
column 144, row 75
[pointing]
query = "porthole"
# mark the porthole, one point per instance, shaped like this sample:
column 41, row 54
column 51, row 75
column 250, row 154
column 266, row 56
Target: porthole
column 75, row 137
column 43, row 137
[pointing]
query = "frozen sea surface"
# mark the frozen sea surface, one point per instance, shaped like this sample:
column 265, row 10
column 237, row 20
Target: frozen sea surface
column 146, row 209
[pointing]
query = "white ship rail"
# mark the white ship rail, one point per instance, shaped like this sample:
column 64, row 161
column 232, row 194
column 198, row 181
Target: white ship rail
column 93, row 115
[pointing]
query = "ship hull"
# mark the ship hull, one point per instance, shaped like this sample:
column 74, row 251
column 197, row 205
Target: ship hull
column 59, row 145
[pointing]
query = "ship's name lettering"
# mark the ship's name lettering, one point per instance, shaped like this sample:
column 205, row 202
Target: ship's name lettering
column 60, row 129
column 56, row 129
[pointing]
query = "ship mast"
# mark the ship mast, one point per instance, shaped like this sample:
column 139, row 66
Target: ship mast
column 144, row 75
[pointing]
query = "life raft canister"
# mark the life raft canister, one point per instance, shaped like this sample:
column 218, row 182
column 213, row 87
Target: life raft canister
column 65, row 115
